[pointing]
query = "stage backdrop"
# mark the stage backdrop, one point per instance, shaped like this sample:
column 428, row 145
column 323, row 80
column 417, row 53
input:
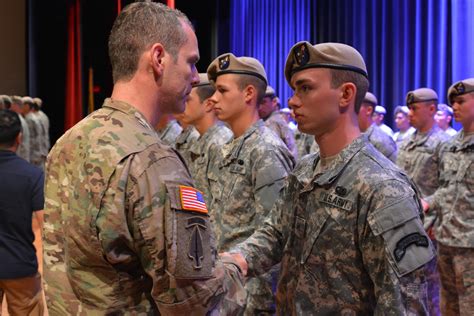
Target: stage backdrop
column 407, row 44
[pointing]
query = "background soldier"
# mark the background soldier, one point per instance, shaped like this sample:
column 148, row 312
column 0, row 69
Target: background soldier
column 269, row 112
column 454, row 204
column 444, row 118
column 126, row 232
column 24, row 151
column 403, row 125
column 247, row 174
column 346, row 227
column 381, row 141
column 418, row 157
column 213, row 133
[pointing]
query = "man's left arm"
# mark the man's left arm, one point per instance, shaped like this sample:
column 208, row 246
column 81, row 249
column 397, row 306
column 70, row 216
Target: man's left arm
column 395, row 249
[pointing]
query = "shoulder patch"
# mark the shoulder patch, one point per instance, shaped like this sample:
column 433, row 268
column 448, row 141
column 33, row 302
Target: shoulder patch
column 192, row 199
column 405, row 242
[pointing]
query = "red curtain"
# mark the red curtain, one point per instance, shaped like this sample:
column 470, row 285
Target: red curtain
column 74, row 68
column 170, row 3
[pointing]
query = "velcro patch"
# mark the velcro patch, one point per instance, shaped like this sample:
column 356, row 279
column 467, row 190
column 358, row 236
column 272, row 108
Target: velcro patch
column 192, row 199
column 411, row 239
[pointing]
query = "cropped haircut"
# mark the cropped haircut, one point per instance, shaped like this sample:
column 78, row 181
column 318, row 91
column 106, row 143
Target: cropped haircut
column 10, row 127
column 140, row 25
column 338, row 77
column 248, row 80
column 205, row 92
column 7, row 101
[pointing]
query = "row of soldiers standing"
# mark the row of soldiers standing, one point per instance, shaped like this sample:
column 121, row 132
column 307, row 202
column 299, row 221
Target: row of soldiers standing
column 35, row 143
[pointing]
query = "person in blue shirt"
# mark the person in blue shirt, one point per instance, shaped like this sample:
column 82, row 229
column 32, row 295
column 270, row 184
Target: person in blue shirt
column 21, row 206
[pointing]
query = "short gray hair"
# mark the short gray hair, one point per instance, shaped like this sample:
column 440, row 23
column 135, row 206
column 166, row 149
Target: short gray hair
column 137, row 27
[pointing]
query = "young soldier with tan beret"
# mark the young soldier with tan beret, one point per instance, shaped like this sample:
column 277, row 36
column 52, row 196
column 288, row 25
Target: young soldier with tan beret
column 346, row 227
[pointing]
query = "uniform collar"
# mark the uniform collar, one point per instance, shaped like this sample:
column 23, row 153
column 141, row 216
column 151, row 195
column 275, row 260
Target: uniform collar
column 231, row 150
column 128, row 109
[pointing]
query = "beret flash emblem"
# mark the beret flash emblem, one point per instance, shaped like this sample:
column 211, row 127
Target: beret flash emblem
column 410, row 98
column 301, row 55
column 460, row 89
column 224, row 62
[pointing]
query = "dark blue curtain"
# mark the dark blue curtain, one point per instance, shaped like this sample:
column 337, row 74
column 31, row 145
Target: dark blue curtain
column 266, row 30
column 407, row 44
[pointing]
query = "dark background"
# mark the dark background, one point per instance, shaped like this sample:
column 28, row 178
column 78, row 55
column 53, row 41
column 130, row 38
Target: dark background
column 48, row 46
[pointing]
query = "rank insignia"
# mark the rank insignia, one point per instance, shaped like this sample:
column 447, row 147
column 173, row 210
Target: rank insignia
column 224, row 62
column 301, row 55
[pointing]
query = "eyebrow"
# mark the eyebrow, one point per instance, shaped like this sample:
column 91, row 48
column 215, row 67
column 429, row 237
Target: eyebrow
column 301, row 81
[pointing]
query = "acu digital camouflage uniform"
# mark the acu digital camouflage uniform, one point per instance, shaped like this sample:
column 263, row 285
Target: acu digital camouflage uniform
column 23, row 150
column 277, row 123
column 37, row 154
column 118, row 238
column 170, row 133
column 454, row 230
column 304, row 142
column 201, row 151
column 382, row 142
column 184, row 141
column 349, row 238
column 245, row 178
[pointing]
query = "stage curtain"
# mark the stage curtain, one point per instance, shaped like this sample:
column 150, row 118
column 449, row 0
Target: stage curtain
column 266, row 30
column 74, row 97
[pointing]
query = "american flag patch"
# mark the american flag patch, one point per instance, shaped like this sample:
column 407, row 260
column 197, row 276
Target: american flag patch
column 192, row 199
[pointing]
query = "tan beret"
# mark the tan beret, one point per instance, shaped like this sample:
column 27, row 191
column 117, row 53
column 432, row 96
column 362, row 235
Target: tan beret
column 460, row 88
column 270, row 92
column 401, row 108
column 370, row 98
column 380, row 109
column 229, row 64
column 203, row 80
column 445, row 108
column 303, row 55
column 421, row 95
column 38, row 101
column 28, row 100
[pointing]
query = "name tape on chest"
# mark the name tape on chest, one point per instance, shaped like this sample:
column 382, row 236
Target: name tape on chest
column 335, row 200
column 192, row 199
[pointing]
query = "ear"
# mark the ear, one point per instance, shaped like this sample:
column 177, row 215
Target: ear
column 249, row 93
column 348, row 94
column 208, row 105
column 19, row 138
column 157, row 59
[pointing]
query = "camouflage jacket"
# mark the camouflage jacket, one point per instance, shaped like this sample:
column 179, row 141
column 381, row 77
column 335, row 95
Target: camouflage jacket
column 201, row 151
column 277, row 123
column 123, row 233
column 304, row 143
column 245, row 178
column 23, row 150
column 37, row 155
column 400, row 136
column 349, row 239
column 170, row 133
column 44, row 121
column 454, row 199
column 184, row 141
column 382, row 142
column 418, row 156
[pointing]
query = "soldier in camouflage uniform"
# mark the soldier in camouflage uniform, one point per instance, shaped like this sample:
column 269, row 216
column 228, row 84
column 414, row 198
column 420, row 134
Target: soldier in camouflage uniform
column 269, row 112
column 304, row 143
column 346, row 227
column 200, row 114
column 381, row 141
column 43, row 118
column 126, row 233
column 37, row 156
column 247, row 174
column 184, row 141
column 453, row 201
column 16, row 105
column 168, row 129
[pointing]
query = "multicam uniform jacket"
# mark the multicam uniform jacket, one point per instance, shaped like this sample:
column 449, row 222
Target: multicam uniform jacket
column 121, row 234
column 349, row 239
